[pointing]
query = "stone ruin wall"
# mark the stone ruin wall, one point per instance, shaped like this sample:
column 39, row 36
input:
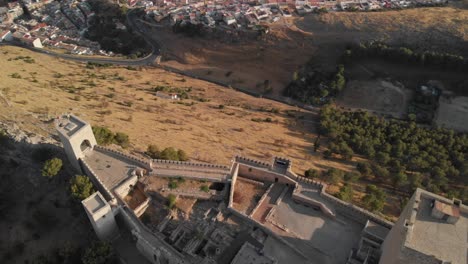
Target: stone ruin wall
column 264, row 196
column 263, row 175
column 354, row 212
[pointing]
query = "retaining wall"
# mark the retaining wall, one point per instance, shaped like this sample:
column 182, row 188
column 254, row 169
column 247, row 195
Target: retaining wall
column 311, row 202
column 254, row 182
column 124, row 188
column 233, row 183
column 261, row 200
column 353, row 211
column 142, row 207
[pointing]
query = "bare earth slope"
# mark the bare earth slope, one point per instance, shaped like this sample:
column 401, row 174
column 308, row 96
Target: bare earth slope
column 294, row 41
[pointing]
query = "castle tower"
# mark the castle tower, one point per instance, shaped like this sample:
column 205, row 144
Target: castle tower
column 101, row 216
column 76, row 136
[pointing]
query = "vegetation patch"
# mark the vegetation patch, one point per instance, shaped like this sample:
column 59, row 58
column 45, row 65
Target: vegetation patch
column 104, row 136
column 169, row 153
column 400, row 153
column 315, row 87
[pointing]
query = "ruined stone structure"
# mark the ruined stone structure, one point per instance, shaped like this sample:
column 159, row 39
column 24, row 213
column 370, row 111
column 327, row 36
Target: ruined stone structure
column 286, row 218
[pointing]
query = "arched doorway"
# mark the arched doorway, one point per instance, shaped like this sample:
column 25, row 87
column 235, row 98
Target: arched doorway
column 85, row 146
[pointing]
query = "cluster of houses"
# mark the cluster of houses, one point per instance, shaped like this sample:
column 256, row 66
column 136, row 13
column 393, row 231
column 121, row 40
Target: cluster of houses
column 247, row 13
column 232, row 14
column 48, row 23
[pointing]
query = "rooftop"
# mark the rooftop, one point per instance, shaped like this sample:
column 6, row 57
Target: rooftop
column 110, row 168
column 248, row 254
column 67, row 125
column 94, row 202
column 320, row 238
column 436, row 237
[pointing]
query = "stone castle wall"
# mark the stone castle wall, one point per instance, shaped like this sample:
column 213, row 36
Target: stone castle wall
column 97, row 181
column 262, row 174
column 144, row 163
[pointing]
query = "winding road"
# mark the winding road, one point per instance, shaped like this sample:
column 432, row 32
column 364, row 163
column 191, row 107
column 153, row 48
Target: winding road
column 132, row 20
column 150, row 59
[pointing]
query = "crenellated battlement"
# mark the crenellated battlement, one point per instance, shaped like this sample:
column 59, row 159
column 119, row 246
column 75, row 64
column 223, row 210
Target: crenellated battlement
column 254, row 162
column 156, row 162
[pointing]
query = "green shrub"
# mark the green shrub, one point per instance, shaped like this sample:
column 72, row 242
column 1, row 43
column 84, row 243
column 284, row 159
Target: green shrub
column 345, row 193
column 311, row 173
column 104, row 135
column 52, row 167
column 374, row 199
column 169, row 154
column 204, row 188
column 334, row 176
column 182, row 155
column 171, row 201
column 81, row 187
column 173, row 184
column 122, row 139
column 352, row 176
column 15, row 75
column 99, row 253
column 153, row 152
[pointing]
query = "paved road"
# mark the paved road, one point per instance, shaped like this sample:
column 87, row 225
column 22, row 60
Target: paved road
column 134, row 24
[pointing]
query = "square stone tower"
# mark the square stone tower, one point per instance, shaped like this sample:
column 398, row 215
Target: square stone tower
column 101, row 216
column 76, row 136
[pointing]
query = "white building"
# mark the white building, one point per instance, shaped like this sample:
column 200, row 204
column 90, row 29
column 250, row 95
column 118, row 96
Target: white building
column 6, row 36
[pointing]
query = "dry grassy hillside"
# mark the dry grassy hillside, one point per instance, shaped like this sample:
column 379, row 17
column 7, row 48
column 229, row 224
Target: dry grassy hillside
column 294, row 41
column 431, row 28
column 122, row 100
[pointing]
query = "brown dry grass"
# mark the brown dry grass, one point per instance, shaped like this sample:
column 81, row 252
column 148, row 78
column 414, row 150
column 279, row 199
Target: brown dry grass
column 204, row 131
column 294, row 41
column 246, row 195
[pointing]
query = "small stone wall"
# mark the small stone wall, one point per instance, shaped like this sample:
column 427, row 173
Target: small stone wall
column 142, row 207
column 124, row 188
column 353, row 211
column 193, row 194
column 283, row 193
column 261, row 200
column 254, row 182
